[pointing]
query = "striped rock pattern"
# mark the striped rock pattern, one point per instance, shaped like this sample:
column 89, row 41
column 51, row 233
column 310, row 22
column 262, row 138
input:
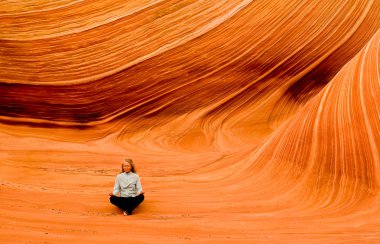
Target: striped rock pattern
column 249, row 121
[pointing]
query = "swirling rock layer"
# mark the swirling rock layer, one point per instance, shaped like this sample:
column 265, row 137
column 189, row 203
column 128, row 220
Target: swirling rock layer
column 250, row 121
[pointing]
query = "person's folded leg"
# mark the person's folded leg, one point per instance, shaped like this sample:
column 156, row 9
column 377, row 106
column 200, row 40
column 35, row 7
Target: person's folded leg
column 136, row 202
column 117, row 201
column 127, row 204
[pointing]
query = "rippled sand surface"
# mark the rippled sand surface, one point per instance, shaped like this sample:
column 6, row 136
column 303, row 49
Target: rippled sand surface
column 249, row 121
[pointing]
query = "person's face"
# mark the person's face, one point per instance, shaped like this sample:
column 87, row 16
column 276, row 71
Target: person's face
column 127, row 167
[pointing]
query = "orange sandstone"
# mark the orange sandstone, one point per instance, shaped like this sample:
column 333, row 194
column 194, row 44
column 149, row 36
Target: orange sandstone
column 249, row 121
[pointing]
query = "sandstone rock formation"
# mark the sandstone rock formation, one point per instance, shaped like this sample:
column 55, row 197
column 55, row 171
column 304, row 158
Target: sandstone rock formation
column 249, row 121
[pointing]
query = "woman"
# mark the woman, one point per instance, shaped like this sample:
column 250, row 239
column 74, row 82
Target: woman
column 128, row 184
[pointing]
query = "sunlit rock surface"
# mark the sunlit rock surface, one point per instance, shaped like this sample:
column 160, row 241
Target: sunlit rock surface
column 249, row 121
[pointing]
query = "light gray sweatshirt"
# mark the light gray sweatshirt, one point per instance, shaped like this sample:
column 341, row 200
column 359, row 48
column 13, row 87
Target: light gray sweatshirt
column 128, row 184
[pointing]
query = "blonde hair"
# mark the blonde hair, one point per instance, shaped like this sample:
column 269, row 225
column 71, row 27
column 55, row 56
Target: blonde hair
column 130, row 161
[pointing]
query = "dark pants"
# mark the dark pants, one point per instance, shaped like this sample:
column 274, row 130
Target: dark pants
column 127, row 203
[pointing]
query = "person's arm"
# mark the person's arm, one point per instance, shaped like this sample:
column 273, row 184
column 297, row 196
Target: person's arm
column 139, row 187
column 116, row 188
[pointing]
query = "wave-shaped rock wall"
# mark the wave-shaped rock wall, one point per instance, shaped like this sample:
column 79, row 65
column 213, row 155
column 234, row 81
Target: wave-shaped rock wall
column 250, row 121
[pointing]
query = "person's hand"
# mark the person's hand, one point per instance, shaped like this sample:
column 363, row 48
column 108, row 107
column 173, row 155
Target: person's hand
column 111, row 194
column 142, row 193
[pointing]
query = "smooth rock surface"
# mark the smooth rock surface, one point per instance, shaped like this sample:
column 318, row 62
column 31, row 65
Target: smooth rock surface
column 249, row 121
